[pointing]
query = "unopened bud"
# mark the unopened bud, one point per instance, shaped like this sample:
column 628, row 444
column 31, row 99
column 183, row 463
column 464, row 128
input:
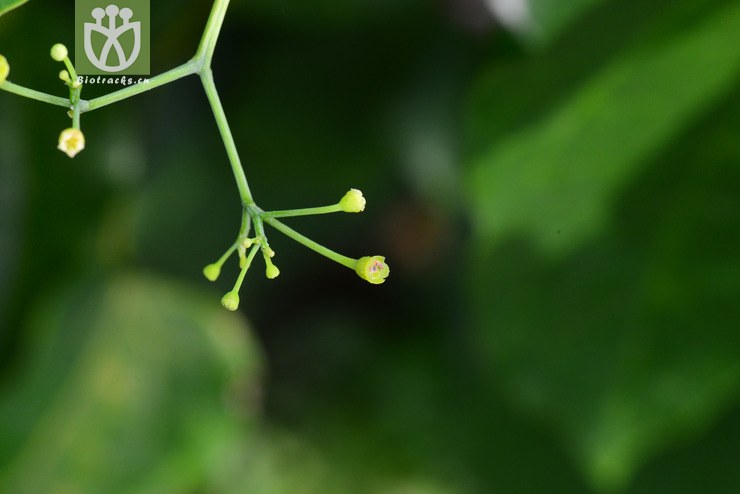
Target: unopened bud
column 4, row 69
column 212, row 271
column 352, row 202
column 59, row 52
column 230, row 301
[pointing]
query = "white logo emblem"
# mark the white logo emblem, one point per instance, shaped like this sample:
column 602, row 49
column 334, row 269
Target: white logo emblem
column 112, row 33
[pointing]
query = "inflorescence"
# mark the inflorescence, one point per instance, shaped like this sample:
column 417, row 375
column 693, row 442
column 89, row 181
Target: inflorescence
column 72, row 141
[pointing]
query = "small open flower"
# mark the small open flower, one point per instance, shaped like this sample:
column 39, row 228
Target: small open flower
column 373, row 269
column 4, row 69
column 59, row 52
column 352, row 202
column 71, row 142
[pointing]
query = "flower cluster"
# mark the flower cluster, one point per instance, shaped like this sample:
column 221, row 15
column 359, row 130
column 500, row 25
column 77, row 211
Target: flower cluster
column 71, row 140
column 372, row 269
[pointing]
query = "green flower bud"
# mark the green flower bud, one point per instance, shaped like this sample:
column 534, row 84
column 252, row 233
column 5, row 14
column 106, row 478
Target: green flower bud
column 230, row 301
column 64, row 76
column 212, row 271
column 59, row 52
column 272, row 271
column 352, row 202
column 71, row 142
column 4, row 69
column 373, row 269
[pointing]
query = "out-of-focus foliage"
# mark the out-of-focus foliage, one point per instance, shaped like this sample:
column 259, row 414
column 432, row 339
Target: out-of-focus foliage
column 554, row 184
column 8, row 5
column 109, row 405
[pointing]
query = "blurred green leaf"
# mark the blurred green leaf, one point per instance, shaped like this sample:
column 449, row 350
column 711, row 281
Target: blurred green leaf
column 602, row 287
column 327, row 13
column 8, row 5
column 133, row 385
column 550, row 17
column 560, row 172
column 603, row 282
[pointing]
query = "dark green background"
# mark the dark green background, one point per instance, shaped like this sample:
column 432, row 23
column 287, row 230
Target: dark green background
column 560, row 209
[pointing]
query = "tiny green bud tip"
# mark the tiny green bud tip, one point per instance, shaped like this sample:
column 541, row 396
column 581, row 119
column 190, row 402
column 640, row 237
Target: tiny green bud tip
column 64, row 75
column 59, row 52
column 212, row 271
column 4, row 69
column 272, row 271
column 352, row 202
column 372, row 269
column 230, row 301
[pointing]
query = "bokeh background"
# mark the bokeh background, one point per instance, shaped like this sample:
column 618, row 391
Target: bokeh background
column 555, row 185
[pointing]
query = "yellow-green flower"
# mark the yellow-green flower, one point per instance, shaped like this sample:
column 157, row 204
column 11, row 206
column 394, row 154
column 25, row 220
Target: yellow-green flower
column 373, row 269
column 4, row 69
column 71, row 142
column 352, row 202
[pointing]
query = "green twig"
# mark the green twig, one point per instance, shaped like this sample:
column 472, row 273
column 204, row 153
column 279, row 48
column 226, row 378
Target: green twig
column 34, row 95
column 289, row 213
column 223, row 127
column 184, row 70
column 211, row 32
column 334, row 256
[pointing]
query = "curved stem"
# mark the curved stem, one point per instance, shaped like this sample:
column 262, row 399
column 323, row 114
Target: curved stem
column 227, row 254
column 184, row 70
column 34, row 95
column 223, row 126
column 245, row 268
column 289, row 213
column 211, row 32
column 334, row 256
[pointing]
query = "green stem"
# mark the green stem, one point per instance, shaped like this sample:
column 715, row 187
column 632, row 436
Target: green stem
column 227, row 254
column 70, row 68
column 76, row 117
column 34, row 95
column 223, row 126
column 243, row 273
column 184, row 70
column 289, row 213
column 211, row 32
column 246, row 224
column 334, row 256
